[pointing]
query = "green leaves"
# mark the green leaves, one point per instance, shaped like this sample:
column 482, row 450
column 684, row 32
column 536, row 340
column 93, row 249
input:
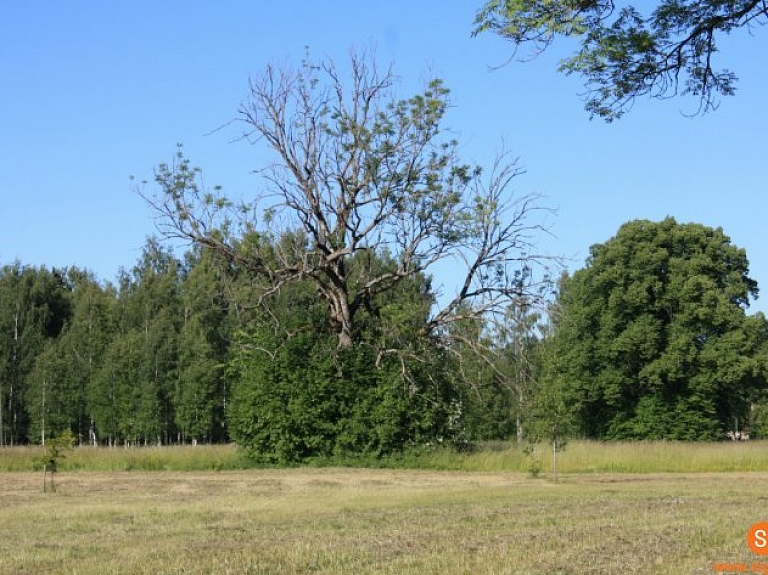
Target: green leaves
column 536, row 21
column 305, row 401
column 654, row 341
column 625, row 53
column 35, row 305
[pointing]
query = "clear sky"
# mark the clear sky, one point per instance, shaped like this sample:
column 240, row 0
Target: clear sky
column 92, row 92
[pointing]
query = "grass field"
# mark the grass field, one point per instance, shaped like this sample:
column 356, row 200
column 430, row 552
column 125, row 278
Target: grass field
column 356, row 521
column 636, row 508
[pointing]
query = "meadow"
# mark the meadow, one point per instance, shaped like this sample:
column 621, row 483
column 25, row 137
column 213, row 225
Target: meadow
column 459, row 515
column 577, row 457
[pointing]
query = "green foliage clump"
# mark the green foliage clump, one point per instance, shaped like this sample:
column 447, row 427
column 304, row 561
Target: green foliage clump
column 55, row 451
column 56, row 448
column 310, row 400
column 652, row 339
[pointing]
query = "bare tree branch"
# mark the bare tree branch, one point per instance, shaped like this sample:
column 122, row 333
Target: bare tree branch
column 358, row 171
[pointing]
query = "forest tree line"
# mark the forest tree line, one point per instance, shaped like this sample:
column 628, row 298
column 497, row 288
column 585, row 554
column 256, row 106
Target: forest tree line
column 649, row 340
column 110, row 361
column 180, row 351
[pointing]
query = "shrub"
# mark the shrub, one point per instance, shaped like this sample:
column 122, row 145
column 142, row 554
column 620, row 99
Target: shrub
column 311, row 400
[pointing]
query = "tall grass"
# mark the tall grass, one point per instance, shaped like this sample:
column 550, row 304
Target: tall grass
column 587, row 457
column 577, row 457
column 664, row 456
column 175, row 458
column 613, row 457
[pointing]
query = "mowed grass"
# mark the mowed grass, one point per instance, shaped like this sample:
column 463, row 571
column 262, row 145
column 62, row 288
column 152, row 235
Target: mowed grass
column 365, row 521
column 643, row 507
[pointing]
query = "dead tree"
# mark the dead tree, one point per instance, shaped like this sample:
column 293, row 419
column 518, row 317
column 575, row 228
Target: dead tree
column 358, row 170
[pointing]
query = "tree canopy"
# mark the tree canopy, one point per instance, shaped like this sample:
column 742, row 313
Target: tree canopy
column 653, row 340
column 650, row 340
column 627, row 50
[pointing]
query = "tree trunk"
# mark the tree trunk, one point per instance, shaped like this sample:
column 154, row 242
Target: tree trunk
column 14, row 420
column 2, row 403
column 14, row 372
column 518, row 417
column 42, row 428
column 345, row 337
column 554, row 459
column 342, row 316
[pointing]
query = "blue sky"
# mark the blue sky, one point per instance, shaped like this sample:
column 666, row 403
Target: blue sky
column 94, row 92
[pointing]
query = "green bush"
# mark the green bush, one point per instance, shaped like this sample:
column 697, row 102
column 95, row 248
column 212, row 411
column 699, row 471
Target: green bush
column 311, row 400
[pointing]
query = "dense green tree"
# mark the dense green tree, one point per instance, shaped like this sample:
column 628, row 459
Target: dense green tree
column 85, row 340
column 118, row 396
column 197, row 398
column 52, row 399
column 130, row 402
column 132, row 395
column 653, row 340
column 60, row 382
column 295, row 396
column 200, row 397
column 307, row 400
column 34, row 306
column 630, row 50
column 52, row 336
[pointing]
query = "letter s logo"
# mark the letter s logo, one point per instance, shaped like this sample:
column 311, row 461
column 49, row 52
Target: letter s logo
column 757, row 538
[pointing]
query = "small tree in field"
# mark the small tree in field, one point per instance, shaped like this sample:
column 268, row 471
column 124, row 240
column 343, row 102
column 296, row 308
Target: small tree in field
column 55, row 451
column 551, row 421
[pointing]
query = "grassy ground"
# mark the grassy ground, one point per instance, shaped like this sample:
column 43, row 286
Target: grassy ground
column 358, row 521
column 614, row 457
column 175, row 458
column 578, row 457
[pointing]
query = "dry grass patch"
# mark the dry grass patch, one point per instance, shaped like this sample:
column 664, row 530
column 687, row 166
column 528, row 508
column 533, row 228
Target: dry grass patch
column 332, row 521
